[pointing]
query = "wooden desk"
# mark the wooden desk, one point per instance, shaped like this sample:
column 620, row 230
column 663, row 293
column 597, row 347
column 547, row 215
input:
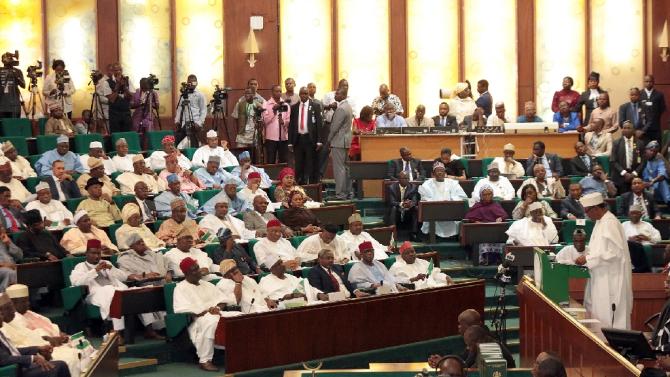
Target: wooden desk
column 136, row 301
column 106, row 363
column 337, row 215
column 649, row 296
column 546, row 327
column 40, row 274
column 446, row 210
column 349, row 326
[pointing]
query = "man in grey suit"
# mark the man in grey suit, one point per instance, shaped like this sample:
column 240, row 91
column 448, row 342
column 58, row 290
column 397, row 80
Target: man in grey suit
column 339, row 139
column 258, row 219
column 632, row 111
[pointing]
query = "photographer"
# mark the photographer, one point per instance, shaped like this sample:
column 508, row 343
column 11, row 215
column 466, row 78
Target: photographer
column 118, row 91
column 10, row 80
column 247, row 110
column 276, row 119
column 58, row 87
column 144, row 102
column 196, row 111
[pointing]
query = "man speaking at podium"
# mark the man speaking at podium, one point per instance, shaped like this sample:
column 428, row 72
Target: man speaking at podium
column 609, row 291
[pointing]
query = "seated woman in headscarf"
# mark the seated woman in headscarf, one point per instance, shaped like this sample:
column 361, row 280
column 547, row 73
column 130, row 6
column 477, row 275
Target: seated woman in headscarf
column 75, row 239
column 132, row 224
column 287, row 185
column 190, row 183
column 528, row 196
column 300, row 219
column 486, row 210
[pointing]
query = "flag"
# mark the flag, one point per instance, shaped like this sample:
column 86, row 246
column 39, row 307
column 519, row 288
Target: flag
column 430, row 267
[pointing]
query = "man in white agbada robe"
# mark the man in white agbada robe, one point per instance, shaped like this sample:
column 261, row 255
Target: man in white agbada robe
column 461, row 104
column 222, row 219
column 184, row 249
column 282, row 287
column 103, row 280
column 53, row 210
column 16, row 328
column 640, row 231
column 355, row 236
column 242, row 290
column 326, row 239
column 202, row 154
column 502, row 188
column 123, row 161
column 570, row 253
column 608, row 261
column 440, row 188
column 408, row 269
column 536, row 230
column 275, row 244
column 253, row 189
column 203, row 301
column 370, row 273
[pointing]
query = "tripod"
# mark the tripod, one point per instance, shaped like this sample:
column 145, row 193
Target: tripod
column 219, row 114
column 187, row 127
column 499, row 320
column 257, row 155
column 97, row 113
column 35, row 98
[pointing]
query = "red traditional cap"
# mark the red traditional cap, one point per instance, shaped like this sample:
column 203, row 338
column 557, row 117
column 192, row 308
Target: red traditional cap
column 284, row 172
column 254, row 174
column 274, row 223
column 186, row 264
column 168, row 139
column 93, row 244
column 405, row 246
column 367, row 245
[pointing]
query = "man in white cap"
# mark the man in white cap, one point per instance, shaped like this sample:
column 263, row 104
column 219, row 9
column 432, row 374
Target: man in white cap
column 570, row 253
column 54, row 213
column 202, row 154
column 245, row 167
column 639, row 233
column 355, row 236
column 609, row 292
column 96, row 169
column 123, row 161
column 29, row 329
column 408, row 269
column 140, row 173
column 327, row 239
column 508, row 166
column 461, row 103
column 95, row 150
column 61, row 152
column 279, row 286
column 21, row 168
column 502, row 188
column 18, row 190
column 58, row 124
column 536, row 230
column 440, row 188
column 499, row 118
column 242, row 290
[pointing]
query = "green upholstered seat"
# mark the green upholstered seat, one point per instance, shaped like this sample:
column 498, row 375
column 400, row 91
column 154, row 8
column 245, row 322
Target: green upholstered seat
column 132, row 138
column 155, row 138
column 45, row 143
column 174, row 323
column 72, row 204
column 16, row 127
column 20, row 144
column 81, row 142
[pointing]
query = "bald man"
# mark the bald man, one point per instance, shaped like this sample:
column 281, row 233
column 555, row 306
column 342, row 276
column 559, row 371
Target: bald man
column 467, row 319
column 385, row 98
column 419, row 118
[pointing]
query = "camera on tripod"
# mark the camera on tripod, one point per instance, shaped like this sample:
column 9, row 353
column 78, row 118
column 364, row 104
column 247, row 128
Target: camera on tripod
column 504, row 273
column 11, row 59
column 61, row 79
column 34, row 71
column 95, row 76
column 152, row 81
column 281, row 107
column 220, row 95
column 186, row 89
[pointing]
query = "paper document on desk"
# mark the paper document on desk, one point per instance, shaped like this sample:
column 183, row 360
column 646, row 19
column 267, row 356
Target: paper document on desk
column 588, row 320
column 336, row 296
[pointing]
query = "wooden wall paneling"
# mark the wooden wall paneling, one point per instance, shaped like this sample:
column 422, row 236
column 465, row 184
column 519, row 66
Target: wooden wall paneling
column 525, row 19
column 333, row 49
column 236, row 29
column 398, row 52
column 108, row 33
column 461, row 43
column 658, row 12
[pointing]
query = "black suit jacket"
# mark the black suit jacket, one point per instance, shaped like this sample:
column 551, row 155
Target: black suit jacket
column 618, row 158
column 578, row 167
column 485, row 101
column 652, row 113
column 17, row 216
column 587, row 103
column 554, row 163
column 319, row 279
column 69, row 187
column 313, row 120
column 628, row 199
column 451, row 122
column 24, row 360
column 627, row 113
column 396, row 166
column 569, row 205
column 393, row 199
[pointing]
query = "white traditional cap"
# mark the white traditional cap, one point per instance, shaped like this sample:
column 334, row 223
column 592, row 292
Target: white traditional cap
column 534, row 206
column 42, row 186
column 592, row 199
column 493, row 165
column 212, row 133
column 636, row 207
column 137, row 158
column 509, row 147
column 17, row 291
column 77, row 216
column 121, row 141
column 95, row 144
column 132, row 238
column 62, row 139
column 7, row 146
column 271, row 259
column 227, row 265
column 355, row 217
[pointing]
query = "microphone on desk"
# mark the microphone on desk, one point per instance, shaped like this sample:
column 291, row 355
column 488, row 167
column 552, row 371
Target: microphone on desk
column 251, row 304
column 613, row 310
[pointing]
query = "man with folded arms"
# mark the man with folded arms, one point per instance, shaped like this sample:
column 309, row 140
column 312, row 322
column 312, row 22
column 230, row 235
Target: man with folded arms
column 184, row 249
column 536, row 230
column 140, row 260
column 275, row 244
column 102, row 211
column 412, row 270
column 95, row 151
column 327, row 238
column 355, row 236
column 369, row 273
column 140, row 173
column 279, row 287
column 242, row 290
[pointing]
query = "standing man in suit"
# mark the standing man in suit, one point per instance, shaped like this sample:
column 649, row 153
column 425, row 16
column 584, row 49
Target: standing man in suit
column 329, row 277
column 653, row 107
column 625, row 157
column 62, row 186
column 485, row 101
column 340, row 141
column 552, row 163
column 589, row 97
column 444, row 119
column 632, row 111
column 402, row 198
column 582, row 163
column 639, row 196
column 406, row 163
column 303, row 137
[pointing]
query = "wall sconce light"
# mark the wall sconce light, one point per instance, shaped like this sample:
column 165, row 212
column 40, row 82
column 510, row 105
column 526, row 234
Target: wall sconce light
column 663, row 42
column 251, row 48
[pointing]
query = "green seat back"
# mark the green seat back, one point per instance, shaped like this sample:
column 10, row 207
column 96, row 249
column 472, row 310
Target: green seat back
column 33, row 159
column 115, row 175
column 271, row 192
column 229, row 168
column 666, row 136
column 211, row 248
column 261, row 276
column 486, row 161
column 250, row 249
column 31, row 183
column 297, row 240
column 81, row 142
column 205, row 195
column 120, row 200
column 132, row 138
column 72, row 204
column 111, row 232
column 46, row 143
column 347, row 267
column 19, row 142
column 575, row 179
column 305, row 272
column 604, row 161
column 568, row 227
column 174, row 323
column 16, row 127
column 157, row 225
column 9, row 371
column 466, row 165
column 388, row 262
column 155, row 138
column 68, row 264
column 42, row 125
column 189, row 152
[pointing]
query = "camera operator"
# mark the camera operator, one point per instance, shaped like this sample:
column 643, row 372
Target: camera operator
column 145, row 101
column 118, row 91
column 10, row 80
column 252, row 84
column 276, row 118
column 197, row 107
column 247, row 110
column 58, row 87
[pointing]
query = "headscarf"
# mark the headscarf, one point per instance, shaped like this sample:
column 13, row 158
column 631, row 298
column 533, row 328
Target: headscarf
column 289, row 198
column 485, row 186
column 129, row 210
column 284, row 172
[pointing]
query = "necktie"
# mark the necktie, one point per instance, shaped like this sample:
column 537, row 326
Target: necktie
column 442, row 122
column 302, row 117
column 629, row 153
column 640, row 202
column 408, row 170
column 336, row 285
column 587, row 162
column 147, row 211
column 13, row 225
column 635, row 114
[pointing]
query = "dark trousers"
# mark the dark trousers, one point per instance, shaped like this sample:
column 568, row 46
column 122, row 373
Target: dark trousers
column 190, row 131
column 638, row 257
column 275, row 151
column 59, row 370
column 406, row 226
column 324, row 153
column 304, row 153
column 120, row 122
